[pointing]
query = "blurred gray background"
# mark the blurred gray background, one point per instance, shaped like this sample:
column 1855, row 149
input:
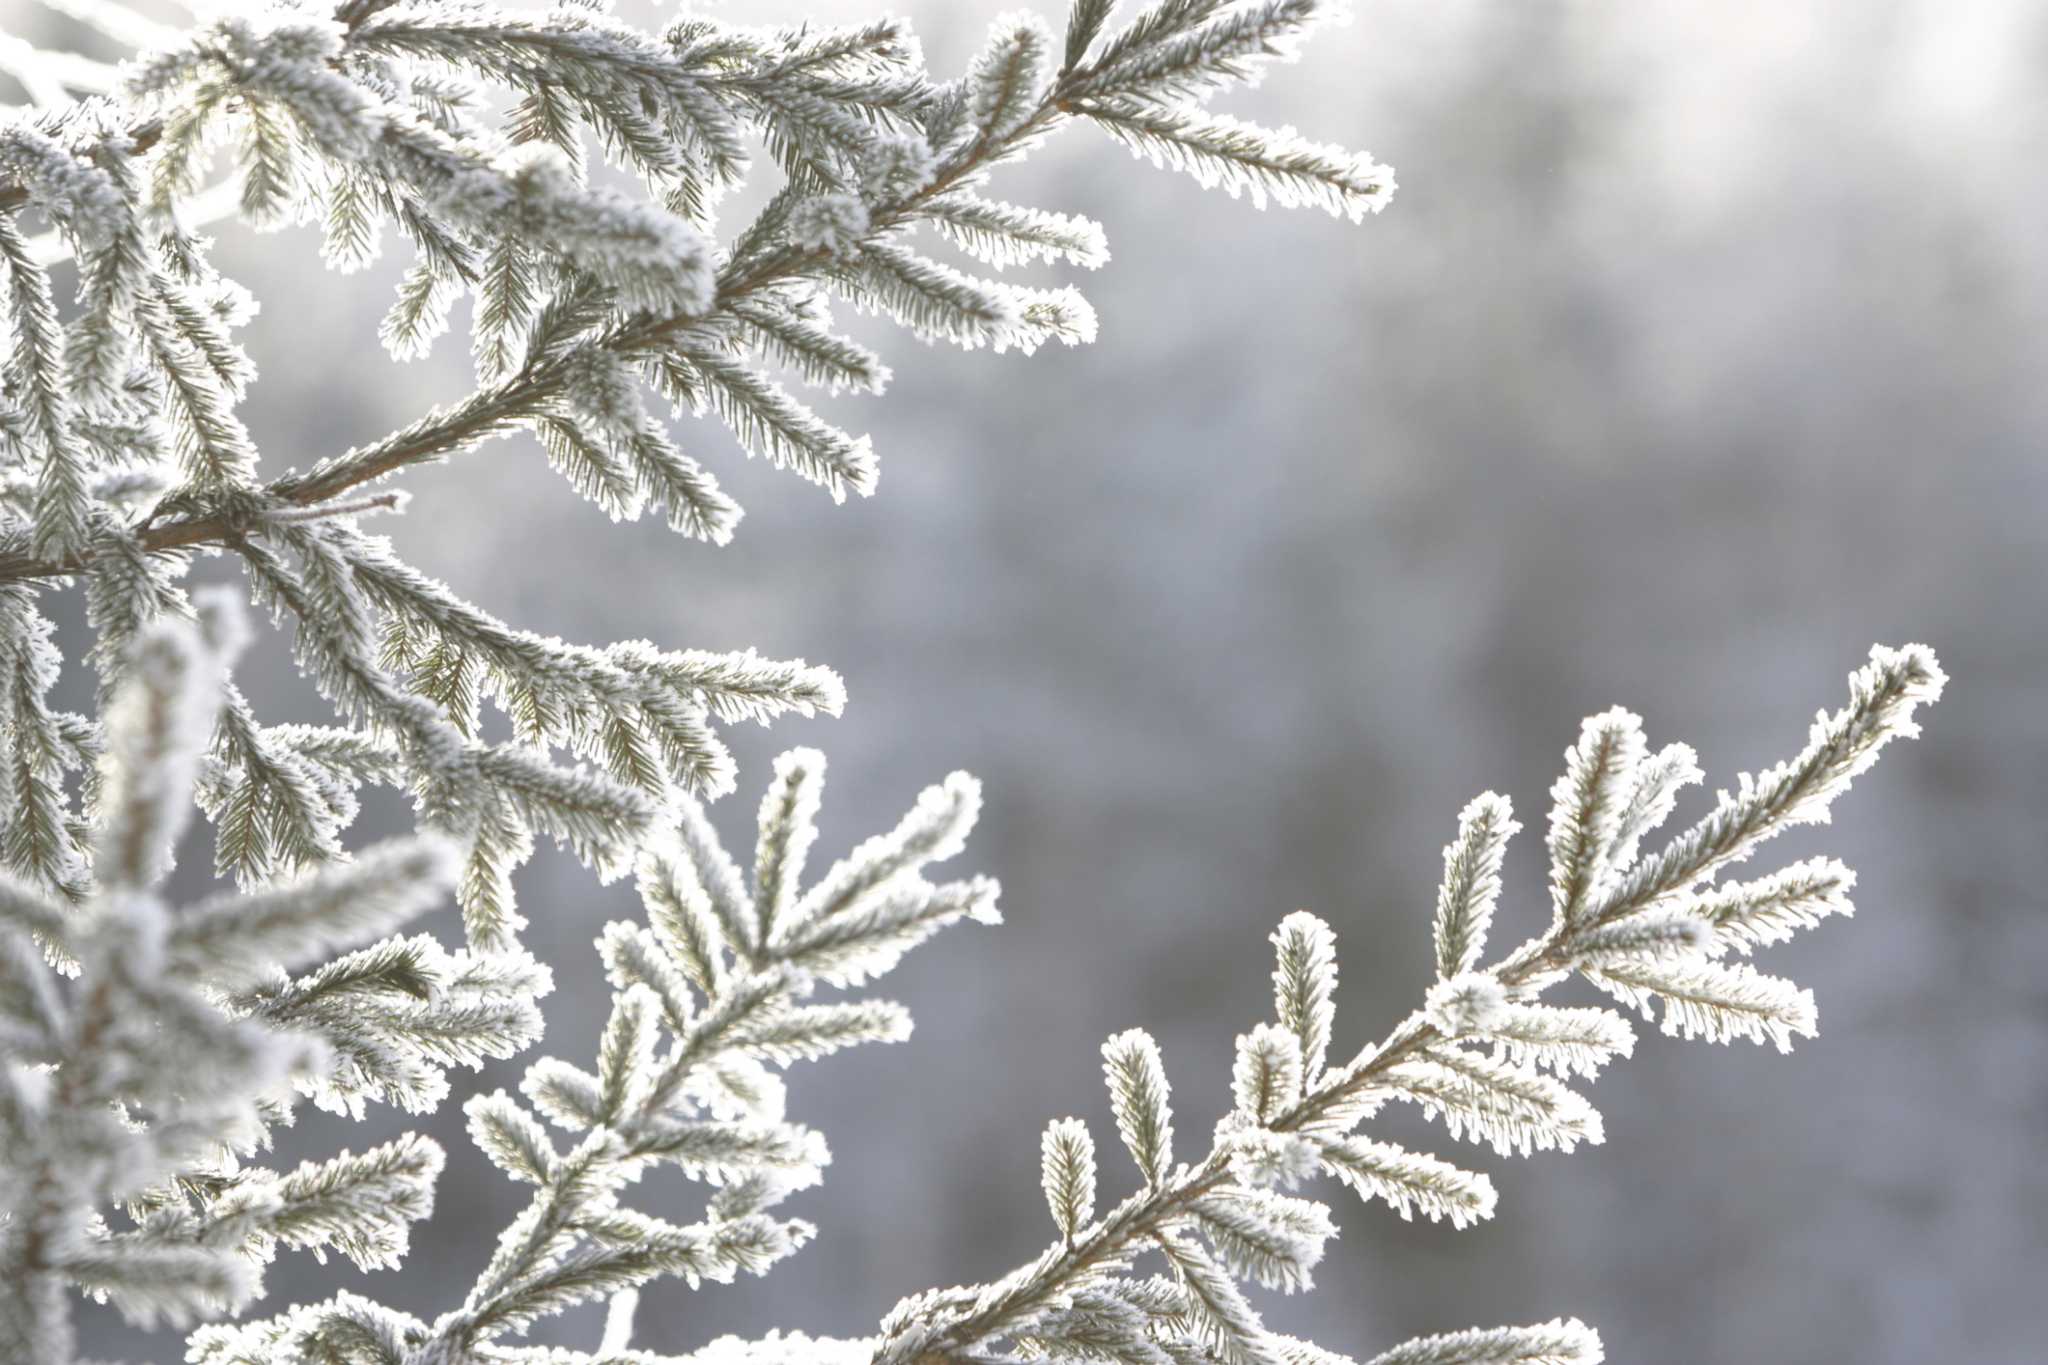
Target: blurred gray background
column 1702, row 346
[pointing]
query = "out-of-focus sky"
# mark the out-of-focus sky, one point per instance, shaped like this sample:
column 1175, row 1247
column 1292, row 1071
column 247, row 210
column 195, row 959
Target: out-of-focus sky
column 1702, row 346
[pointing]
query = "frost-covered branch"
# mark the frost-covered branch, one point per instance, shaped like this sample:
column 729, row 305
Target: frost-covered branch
column 713, row 1000
column 1483, row 1055
column 587, row 302
column 917, row 153
column 140, row 1076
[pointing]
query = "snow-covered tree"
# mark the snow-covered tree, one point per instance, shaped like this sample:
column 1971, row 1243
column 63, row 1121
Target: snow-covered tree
column 565, row 172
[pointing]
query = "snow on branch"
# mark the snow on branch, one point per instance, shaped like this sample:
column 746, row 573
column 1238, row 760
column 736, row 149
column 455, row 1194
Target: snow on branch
column 708, row 1012
column 590, row 301
column 135, row 1080
column 1483, row 1055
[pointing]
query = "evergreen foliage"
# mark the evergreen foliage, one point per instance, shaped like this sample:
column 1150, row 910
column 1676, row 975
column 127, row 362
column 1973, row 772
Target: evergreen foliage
column 150, row 1049
column 1484, row 1055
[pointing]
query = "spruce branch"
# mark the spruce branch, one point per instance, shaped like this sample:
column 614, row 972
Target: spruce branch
column 1502, row 1098
column 732, row 1006
column 747, row 276
column 139, row 1082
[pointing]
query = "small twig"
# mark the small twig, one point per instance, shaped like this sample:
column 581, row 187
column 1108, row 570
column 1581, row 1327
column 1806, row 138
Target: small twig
column 391, row 500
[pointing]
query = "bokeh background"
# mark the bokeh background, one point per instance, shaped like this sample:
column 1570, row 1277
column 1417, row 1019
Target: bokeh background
column 1702, row 346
